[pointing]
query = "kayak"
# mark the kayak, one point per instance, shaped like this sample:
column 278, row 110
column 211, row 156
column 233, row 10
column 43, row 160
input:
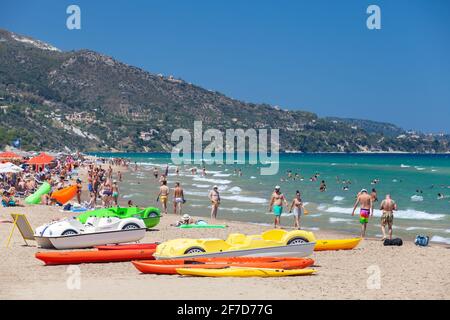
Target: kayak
column 244, row 272
column 202, row 226
column 128, row 246
column 171, row 266
column 35, row 198
column 64, row 195
column 151, row 216
column 76, row 257
column 337, row 244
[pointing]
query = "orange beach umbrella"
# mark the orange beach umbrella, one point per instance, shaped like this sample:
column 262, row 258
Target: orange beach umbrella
column 8, row 155
column 41, row 159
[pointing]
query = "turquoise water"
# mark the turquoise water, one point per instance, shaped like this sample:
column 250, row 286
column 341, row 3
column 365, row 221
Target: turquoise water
column 246, row 197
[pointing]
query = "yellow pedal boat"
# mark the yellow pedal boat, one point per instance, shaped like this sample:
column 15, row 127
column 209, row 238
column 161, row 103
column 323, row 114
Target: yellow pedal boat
column 272, row 243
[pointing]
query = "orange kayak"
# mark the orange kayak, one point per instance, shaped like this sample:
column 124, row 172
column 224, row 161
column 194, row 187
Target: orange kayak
column 64, row 195
column 128, row 246
column 170, row 266
column 76, row 257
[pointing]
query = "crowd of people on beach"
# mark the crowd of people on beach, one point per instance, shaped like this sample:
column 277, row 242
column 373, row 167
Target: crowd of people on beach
column 59, row 174
column 24, row 182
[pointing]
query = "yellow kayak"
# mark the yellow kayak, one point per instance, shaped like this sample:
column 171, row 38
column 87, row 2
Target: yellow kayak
column 337, row 244
column 244, row 272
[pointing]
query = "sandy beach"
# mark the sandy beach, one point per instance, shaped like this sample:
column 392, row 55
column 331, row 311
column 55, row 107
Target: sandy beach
column 406, row 272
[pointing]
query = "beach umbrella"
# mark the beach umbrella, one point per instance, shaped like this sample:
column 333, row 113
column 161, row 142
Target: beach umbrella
column 41, row 159
column 9, row 168
column 8, row 155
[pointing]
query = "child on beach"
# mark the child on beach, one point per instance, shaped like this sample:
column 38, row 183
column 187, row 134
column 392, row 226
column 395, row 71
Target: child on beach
column 115, row 193
column 276, row 203
column 366, row 204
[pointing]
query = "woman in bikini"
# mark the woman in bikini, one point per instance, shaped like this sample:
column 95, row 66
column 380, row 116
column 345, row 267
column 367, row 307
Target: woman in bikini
column 214, row 196
column 297, row 205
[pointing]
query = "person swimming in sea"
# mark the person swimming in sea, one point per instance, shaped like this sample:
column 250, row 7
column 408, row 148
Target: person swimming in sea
column 374, row 195
column 323, row 186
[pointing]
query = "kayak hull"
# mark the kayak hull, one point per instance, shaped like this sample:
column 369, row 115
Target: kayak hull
column 101, row 256
column 170, row 266
column 135, row 246
column 337, row 244
column 244, row 272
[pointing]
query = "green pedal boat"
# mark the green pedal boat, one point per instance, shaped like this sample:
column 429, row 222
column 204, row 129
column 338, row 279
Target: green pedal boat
column 150, row 215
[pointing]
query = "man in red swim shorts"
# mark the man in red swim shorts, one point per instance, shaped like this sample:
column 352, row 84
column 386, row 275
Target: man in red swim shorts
column 365, row 202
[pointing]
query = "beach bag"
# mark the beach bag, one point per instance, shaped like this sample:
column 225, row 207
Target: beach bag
column 393, row 242
column 422, row 240
column 67, row 207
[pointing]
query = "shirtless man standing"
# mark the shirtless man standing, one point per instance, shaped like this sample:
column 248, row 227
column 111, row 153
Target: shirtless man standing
column 366, row 204
column 276, row 203
column 387, row 206
column 214, row 196
column 178, row 199
column 163, row 195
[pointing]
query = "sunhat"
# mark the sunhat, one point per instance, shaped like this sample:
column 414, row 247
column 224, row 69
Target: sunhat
column 186, row 216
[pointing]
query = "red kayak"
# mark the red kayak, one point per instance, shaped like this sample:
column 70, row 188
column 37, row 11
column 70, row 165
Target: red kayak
column 136, row 246
column 97, row 256
column 170, row 266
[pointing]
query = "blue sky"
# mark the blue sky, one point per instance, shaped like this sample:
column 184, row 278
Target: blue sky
column 310, row 55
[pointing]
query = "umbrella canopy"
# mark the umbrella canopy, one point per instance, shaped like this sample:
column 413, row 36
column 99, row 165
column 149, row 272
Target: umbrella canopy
column 41, row 159
column 8, row 155
column 9, row 168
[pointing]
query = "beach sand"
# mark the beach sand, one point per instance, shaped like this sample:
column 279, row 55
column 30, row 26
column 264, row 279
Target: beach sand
column 406, row 272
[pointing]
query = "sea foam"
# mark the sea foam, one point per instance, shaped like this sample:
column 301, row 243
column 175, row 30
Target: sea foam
column 214, row 181
column 237, row 198
column 440, row 239
column 400, row 214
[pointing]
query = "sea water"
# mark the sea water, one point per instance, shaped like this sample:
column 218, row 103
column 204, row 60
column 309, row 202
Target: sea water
column 414, row 182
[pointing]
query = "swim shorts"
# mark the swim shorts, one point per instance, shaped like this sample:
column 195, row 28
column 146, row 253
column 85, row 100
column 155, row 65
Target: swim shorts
column 163, row 198
column 179, row 200
column 364, row 216
column 277, row 210
column 387, row 218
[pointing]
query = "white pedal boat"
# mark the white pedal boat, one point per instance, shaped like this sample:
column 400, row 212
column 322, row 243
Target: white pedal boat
column 71, row 234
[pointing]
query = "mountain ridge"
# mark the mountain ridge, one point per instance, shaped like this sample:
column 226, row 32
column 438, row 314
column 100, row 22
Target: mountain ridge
column 87, row 101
